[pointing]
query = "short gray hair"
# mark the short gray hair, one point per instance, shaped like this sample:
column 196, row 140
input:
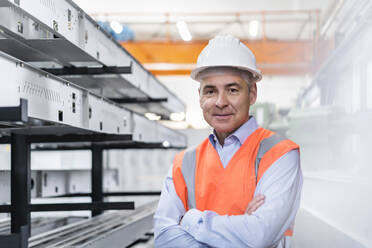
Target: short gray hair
column 245, row 75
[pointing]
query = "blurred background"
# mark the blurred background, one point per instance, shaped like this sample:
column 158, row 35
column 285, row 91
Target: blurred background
column 316, row 59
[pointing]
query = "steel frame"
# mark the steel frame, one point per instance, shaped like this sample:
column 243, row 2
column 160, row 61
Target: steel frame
column 107, row 194
column 39, row 107
column 21, row 139
column 21, row 207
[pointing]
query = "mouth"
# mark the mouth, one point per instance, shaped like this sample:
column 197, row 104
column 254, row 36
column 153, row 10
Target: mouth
column 222, row 116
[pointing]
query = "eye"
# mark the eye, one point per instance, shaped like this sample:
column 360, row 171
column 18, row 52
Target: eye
column 233, row 90
column 209, row 92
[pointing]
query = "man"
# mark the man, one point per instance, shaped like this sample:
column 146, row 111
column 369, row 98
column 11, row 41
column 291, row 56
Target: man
column 241, row 186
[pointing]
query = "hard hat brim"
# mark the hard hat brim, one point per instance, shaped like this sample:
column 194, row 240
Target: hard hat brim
column 257, row 76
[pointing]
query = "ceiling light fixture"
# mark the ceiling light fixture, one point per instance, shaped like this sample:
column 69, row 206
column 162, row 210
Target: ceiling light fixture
column 152, row 116
column 177, row 116
column 116, row 26
column 183, row 30
column 253, row 28
column 166, row 143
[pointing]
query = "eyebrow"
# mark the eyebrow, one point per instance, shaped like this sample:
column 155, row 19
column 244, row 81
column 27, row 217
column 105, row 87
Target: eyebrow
column 232, row 84
column 226, row 86
column 209, row 87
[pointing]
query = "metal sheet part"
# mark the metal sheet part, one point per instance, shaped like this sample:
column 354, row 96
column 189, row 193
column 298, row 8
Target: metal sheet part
column 58, row 102
column 119, row 228
column 60, row 31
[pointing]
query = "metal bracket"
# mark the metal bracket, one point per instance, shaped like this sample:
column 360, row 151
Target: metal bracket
column 138, row 100
column 17, row 113
column 106, row 194
column 15, row 240
column 94, row 206
column 73, row 138
column 68, row 71
column 97, row 176
column 105, row 146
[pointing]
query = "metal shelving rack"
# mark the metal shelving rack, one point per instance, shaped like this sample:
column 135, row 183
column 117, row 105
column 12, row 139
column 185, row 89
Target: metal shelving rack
column 69, row 84
column 59, row 37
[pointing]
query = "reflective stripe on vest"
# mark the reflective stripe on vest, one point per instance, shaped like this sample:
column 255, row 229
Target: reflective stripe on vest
column 188, row 172
column 265, row 146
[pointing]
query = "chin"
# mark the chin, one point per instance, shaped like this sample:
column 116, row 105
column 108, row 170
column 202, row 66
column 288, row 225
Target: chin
column 221, row 129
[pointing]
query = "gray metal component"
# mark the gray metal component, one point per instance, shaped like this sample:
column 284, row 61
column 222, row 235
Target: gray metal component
column 170, row 137
column 124, row 235
column 21, row 51
column 58, row 101
column 120, row 227
column 63, row 20
column 49, row 183
column 188, row 172
column 265, row 146
column 59, row 31
column 111, row 86
column 149, row 131
column 20, row 181
column 41, row 224
column 54, row 34
column 61, row 49
column 16, row 240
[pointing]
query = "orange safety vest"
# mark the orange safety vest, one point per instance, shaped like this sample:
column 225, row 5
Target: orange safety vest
column 201, row 181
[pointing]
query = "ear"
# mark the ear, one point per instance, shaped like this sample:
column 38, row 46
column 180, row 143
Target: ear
column 252, row 93
column 199, row 96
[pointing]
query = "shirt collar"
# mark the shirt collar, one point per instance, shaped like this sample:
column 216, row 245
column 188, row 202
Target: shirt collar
column 242, row 133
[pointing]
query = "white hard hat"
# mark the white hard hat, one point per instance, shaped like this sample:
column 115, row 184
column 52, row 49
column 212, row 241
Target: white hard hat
column 227, row 51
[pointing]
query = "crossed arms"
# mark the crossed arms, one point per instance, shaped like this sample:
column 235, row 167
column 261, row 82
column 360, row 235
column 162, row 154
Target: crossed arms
column 262, row 225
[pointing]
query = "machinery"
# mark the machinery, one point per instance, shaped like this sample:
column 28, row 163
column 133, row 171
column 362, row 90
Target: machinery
column 69, row 86
column 331, row 124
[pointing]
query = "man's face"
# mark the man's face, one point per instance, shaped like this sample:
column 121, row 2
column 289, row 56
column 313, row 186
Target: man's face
column 225, row 100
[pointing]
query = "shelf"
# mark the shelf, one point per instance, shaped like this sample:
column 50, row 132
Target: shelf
column 59, row 34
column 44, row 104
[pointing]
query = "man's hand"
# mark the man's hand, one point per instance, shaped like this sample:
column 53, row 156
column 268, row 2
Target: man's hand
column 256, row 202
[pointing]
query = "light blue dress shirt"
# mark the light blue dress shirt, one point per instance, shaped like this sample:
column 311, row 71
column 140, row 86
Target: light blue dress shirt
column 281, row 184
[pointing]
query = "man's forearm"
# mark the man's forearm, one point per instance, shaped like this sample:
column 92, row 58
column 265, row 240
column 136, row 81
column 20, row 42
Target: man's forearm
column 226, row 231
column 176, row 236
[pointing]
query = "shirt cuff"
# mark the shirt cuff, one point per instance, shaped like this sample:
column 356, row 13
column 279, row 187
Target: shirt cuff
column 191, row 221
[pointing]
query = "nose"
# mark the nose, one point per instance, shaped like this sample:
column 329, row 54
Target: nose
column 222, row 100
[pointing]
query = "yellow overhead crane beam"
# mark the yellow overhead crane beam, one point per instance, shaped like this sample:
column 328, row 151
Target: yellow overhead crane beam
column 273, row 57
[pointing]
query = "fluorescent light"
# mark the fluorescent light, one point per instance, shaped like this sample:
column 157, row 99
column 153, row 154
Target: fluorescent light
column 183, row 30
column 166, row 143
column 152, row 116
column 116, row 26
column 253, row 28
column 177, row 116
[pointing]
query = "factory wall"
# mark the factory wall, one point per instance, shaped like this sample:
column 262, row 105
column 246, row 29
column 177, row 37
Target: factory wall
column 333, row 129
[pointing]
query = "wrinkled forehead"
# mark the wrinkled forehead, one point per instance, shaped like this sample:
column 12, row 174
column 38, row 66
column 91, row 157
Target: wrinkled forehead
column 223, row 71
